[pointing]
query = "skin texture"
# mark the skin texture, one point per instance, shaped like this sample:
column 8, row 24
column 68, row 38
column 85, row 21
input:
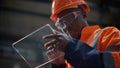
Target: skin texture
column 78, row 23
column 74, row 28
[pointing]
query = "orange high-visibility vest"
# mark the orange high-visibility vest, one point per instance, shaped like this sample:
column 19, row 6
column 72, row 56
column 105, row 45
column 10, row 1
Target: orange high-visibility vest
column 109, row 37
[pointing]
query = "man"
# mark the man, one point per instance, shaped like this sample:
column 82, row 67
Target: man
column 86, row 46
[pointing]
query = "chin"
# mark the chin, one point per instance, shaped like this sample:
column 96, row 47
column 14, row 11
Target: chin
column 76, row 37
column 75, row 34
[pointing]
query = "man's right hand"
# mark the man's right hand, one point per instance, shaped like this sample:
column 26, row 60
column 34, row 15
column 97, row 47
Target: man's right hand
column 58, row 56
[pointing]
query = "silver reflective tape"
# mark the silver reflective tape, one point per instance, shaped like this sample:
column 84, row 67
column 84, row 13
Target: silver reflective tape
column 95, row 41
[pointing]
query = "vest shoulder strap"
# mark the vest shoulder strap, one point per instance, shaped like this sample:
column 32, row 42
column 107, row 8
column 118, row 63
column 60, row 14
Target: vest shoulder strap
column 95, row 41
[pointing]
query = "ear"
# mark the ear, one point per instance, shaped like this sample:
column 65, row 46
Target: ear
column 82, row 7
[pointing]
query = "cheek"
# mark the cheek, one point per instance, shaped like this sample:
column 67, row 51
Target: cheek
column 74, row 29
column 74, row 32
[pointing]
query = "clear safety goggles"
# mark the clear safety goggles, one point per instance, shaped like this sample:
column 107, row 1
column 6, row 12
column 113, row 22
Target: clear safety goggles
column 67, row 19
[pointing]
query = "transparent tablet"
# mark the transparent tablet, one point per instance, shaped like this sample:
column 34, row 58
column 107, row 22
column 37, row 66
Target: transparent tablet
column 31, row 48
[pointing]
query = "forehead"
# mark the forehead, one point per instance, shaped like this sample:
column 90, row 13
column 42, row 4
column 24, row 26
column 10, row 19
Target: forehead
column 67, row 11
column 67, row 17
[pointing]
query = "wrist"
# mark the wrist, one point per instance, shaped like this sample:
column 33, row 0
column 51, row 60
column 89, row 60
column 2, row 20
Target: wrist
column 59, row 66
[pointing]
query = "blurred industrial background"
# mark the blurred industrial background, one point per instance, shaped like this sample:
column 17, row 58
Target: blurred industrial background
column 20, row 17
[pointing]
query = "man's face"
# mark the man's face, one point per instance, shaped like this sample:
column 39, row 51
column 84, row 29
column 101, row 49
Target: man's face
column 72, row 23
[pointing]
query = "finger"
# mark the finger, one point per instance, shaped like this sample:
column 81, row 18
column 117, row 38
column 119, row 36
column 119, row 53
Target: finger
column 49, row 52
column 56, row 32
column 52, row 36
column 44, row 37
column 50, row 47
column 50, row 43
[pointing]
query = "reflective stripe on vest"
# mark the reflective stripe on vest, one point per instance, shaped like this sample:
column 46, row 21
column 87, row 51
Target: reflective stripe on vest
column 108, row 59
column 95, row 41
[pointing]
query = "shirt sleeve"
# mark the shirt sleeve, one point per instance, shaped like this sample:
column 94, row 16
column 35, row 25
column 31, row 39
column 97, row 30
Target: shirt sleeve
column 109, row 44
column 80, row 55
column 54, row 66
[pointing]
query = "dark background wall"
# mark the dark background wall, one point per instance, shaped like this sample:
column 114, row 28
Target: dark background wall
column 20, row 17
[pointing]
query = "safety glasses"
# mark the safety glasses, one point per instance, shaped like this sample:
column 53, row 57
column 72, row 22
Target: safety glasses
column 67, row 19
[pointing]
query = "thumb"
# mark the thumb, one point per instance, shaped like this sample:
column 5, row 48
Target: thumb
column 56, row 32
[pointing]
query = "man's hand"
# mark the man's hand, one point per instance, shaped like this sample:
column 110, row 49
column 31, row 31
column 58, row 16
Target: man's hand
column 56, row 47
column 58, row 41
column 58, row 56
